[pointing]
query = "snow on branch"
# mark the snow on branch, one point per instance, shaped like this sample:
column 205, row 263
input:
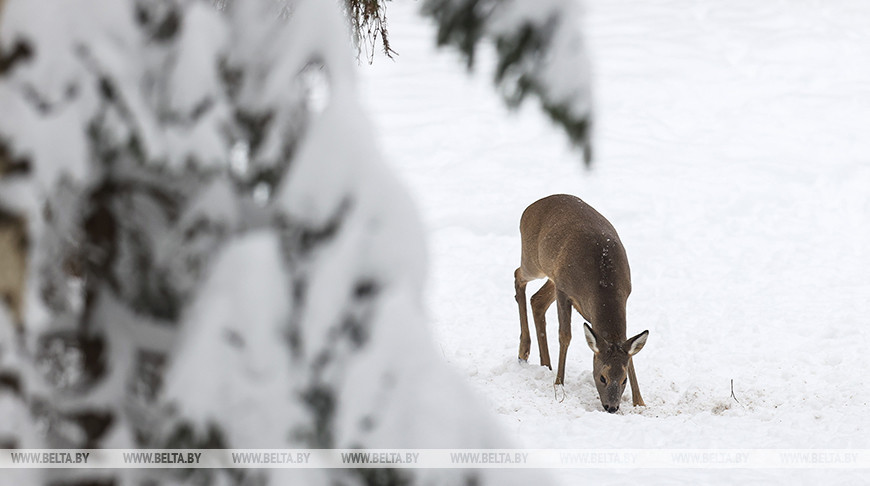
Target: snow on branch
column 540, row 53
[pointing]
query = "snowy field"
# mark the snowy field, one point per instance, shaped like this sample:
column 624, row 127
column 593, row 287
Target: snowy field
column 733, row 156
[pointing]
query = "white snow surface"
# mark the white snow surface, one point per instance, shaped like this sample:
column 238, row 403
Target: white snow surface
column 732, row 156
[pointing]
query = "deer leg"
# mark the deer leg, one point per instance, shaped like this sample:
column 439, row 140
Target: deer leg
column 636, row 399
column 525, row 338
column 563, row 306
column 541, row 301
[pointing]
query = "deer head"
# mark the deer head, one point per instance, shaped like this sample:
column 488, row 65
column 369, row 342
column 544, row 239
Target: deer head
column 610, row 365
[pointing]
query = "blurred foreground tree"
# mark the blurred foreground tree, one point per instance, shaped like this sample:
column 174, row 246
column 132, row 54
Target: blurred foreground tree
column 539, row 49
column 367, row 21
column 201, row 248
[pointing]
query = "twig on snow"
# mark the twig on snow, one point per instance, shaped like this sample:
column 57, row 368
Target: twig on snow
column 732, row 392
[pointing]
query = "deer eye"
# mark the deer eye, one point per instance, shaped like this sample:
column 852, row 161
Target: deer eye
column 602, row 379
column 624, row 381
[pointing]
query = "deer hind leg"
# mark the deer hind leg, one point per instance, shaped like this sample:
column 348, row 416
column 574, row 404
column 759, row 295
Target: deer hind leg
column 636, row 399
column 563, row 305
column 525, row 338
column 541, row 301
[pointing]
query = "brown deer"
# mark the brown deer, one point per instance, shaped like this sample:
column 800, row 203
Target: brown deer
column 578, row 251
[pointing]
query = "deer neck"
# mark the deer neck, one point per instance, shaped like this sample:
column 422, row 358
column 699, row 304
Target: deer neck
column 609, row 322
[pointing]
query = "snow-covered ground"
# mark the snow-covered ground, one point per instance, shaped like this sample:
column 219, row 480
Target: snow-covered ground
column 733, row 156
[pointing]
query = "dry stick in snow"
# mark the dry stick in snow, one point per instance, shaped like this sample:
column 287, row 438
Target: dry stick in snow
column 732, row 392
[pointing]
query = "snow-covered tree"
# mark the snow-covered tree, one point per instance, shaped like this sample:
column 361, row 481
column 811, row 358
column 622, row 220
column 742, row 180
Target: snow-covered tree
column 539, row 53
column 214, row 255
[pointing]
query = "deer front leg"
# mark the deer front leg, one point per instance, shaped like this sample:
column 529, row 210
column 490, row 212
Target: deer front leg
column 636, row 399
column 563, row 306
column 541, row 301
column 525, row 338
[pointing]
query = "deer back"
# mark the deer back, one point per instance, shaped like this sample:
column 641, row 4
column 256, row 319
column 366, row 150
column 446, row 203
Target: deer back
column 571, row 243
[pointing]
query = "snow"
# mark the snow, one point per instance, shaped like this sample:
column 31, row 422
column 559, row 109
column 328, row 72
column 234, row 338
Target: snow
column 732, row 159
column 241, row 359
column 731, row 156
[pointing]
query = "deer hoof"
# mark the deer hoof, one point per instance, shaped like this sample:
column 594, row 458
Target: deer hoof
column 556, row 388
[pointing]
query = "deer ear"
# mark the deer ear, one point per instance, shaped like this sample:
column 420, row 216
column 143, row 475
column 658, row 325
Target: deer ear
column 591, row 338
column 635, row 344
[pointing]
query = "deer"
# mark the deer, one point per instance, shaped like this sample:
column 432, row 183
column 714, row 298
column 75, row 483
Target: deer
column 580, row 254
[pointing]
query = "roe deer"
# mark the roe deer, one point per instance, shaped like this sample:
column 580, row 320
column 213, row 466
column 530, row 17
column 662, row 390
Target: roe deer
column 578, row 251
